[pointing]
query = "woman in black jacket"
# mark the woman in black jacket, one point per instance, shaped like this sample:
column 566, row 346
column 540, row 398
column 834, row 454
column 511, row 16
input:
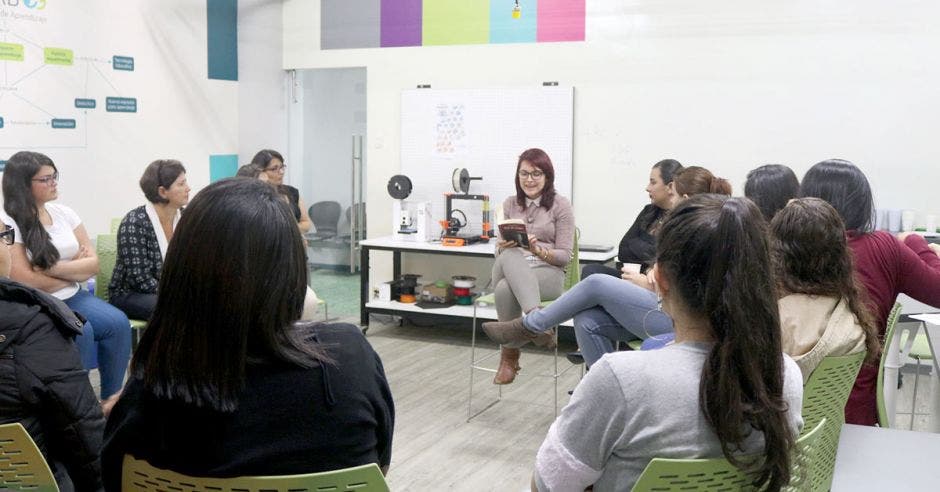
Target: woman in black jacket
column 42, row 383
column 638, row 245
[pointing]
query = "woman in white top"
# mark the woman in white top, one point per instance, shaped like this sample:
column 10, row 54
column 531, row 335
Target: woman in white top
column 143, row 237
column 53, row 253
column 724, row 388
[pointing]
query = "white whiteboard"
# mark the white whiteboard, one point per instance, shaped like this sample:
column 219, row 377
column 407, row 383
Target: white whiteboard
column 483, row 130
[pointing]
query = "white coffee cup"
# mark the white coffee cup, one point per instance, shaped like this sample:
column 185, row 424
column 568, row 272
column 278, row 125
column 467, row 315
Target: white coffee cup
column 907, row 220
column 894, row 220
column 931, row 224
column 631, row 267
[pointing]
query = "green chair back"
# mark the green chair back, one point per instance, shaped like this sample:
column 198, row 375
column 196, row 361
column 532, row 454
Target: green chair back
column 717, row 474
column 824, row 398
column 573, row 270
column 116, row 224
column 140, row 475
column 22, row 466
column 106, row 248
column 883, row 419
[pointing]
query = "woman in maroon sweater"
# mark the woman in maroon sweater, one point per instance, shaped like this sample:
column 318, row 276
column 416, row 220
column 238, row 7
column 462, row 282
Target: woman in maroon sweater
column 885, row 265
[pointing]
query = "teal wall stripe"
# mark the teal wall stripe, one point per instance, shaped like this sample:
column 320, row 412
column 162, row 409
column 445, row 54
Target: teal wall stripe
column 222, row 18
column 222, row 166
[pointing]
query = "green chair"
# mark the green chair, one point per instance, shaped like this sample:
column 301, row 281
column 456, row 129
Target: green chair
column 718, row 474
column 116, row 224
column 140, row 475
column 572, row 276
column 888, row 365
column 22, row 466
column 824, row 398
column 106, row 249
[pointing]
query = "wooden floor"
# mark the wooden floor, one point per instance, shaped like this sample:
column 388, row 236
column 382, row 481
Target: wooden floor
column 435, row 448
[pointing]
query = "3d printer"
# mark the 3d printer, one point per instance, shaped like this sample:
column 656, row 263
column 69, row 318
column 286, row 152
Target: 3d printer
column 452, row 224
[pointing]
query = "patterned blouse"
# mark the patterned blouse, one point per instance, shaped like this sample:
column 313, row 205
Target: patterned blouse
column 139, row 260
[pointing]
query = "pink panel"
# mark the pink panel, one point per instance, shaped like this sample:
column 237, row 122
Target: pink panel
column 560, row 20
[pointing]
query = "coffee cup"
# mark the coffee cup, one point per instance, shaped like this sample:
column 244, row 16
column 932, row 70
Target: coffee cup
column 631, row 267
column 907, row 220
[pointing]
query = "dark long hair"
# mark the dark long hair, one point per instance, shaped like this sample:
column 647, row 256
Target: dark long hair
column 714, row 251
column 695, row 180
column 264, row 157
column 771, row 186
column 20, row 205
column 232, row 288
column 810, row 256
column 539, row 160
column 846, row 188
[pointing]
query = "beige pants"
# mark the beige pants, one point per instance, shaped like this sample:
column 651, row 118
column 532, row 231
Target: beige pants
column 519, row 288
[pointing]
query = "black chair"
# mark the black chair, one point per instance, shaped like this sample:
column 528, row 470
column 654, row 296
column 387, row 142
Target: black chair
column 350, row 211
column 325, row 218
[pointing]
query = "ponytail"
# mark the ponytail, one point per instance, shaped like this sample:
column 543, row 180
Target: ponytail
column 719, row 186
column 695, row 180
column 714, row 250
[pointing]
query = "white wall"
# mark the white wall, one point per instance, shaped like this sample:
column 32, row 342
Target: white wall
column 728, row 85
column 181, row 114
column 262, row 82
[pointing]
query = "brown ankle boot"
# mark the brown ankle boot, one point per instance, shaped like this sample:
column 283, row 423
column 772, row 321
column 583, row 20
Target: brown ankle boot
column 513, row 331
column 508, row 366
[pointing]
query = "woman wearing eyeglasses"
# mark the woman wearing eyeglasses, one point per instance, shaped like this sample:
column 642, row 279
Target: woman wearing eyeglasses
column 523, row 277
column 53, row 253
column 143, row 237
column 607, row 309
column 271, row 163
column 42, row 384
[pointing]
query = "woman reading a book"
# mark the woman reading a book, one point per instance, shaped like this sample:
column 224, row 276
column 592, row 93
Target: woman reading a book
column 606, row 309
column 525, row 276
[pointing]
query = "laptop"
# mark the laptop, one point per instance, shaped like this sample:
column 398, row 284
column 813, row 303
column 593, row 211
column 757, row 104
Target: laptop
column 596, row 248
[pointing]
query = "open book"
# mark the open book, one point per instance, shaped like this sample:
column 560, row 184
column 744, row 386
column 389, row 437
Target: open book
column 514, row 230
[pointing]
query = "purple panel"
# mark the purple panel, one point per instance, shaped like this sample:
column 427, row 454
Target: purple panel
column 401, row 23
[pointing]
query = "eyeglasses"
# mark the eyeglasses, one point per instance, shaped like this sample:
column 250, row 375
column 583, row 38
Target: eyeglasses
column 8, row 236
column 277, row 169
column 48, row 180
column 533, row 174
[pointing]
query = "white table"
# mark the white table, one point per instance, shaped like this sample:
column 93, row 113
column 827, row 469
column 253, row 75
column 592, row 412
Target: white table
column 398, row 246
column 877, row 459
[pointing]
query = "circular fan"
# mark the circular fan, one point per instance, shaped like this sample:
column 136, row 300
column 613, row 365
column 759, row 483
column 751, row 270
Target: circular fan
column 399, row 186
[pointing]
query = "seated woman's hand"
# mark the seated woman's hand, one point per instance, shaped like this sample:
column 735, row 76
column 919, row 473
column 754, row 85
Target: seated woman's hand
column 935, row 248
column 501, row 245
column 637, row 278
column 533, row 245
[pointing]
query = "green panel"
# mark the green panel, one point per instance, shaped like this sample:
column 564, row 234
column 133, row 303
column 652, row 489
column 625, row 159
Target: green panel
column 456, row 22
column 58, row 56
column 11, row 52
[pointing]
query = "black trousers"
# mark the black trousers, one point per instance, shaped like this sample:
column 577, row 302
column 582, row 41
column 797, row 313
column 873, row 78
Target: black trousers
column 135, row 305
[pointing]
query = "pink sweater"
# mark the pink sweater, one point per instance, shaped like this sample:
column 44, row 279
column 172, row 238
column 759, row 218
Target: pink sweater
column 887, row 267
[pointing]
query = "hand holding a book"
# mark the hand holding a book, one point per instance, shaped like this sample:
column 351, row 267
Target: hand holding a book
column 503, row 244
column 534, row 245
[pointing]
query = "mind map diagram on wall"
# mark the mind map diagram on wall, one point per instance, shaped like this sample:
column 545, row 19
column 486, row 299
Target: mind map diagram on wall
column 52, row 82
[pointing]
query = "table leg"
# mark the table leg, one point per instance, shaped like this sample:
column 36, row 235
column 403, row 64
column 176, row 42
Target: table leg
column 363, row 285
column 933, row 340
column 396, row 264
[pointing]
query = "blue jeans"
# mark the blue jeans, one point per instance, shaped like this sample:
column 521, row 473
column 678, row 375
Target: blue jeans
column 605, row 309
column 107, row 337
